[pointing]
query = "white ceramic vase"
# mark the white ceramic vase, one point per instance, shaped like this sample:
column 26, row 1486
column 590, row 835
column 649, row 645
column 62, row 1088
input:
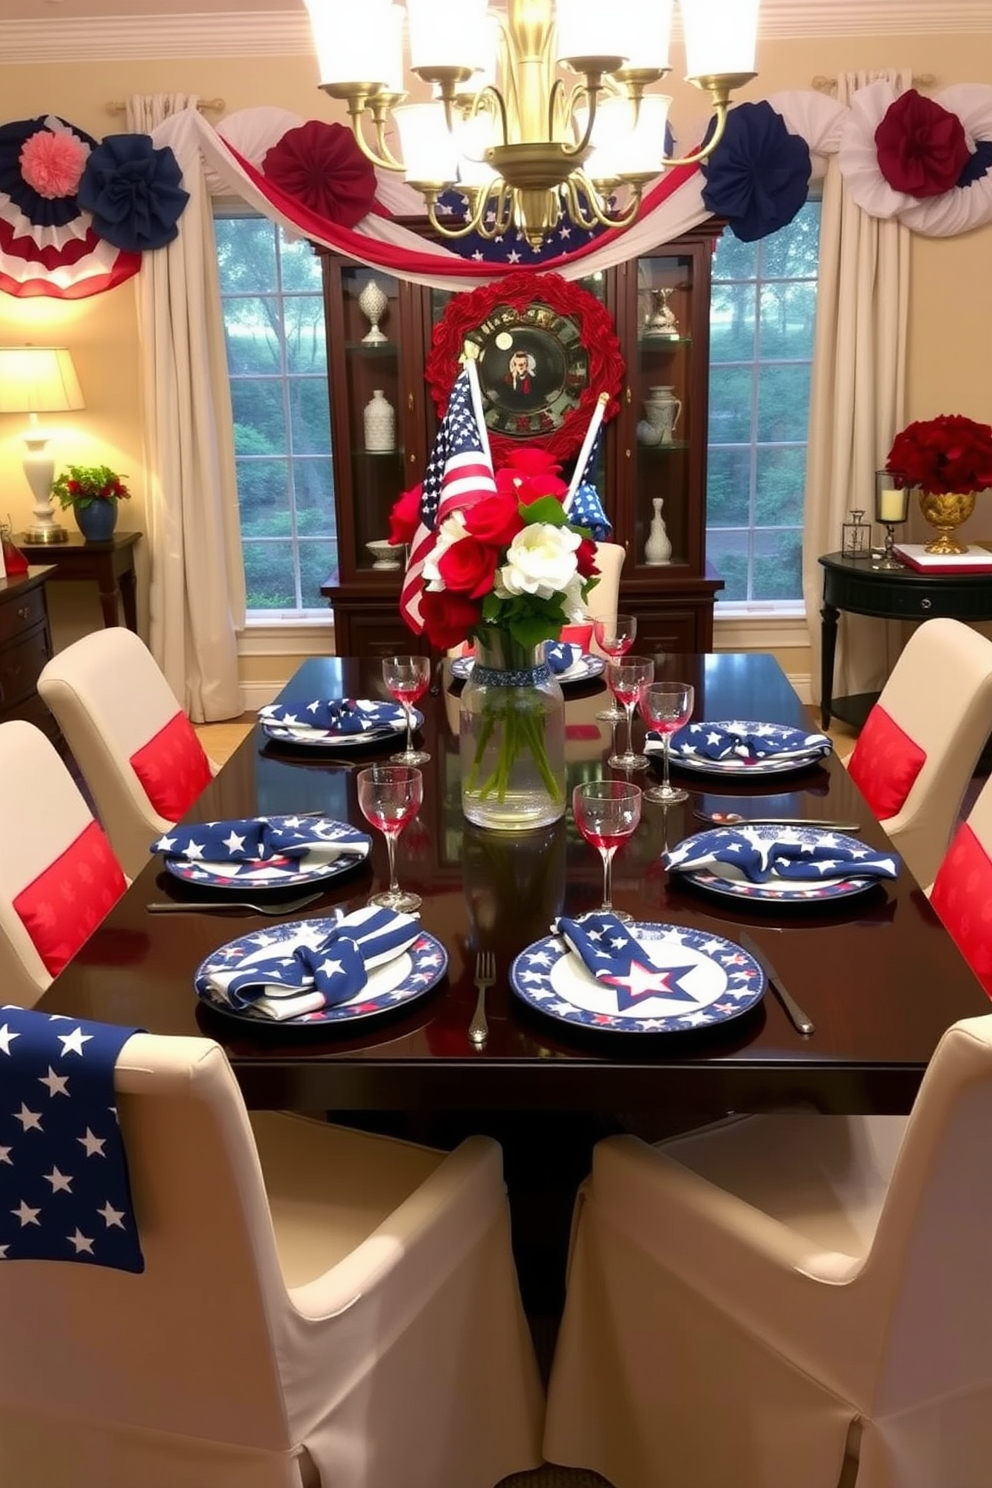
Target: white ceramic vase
column 663, row 410
column 658, row 548
column 373, row 304
column 380, row 424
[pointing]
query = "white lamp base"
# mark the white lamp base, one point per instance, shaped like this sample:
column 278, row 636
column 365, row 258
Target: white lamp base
column 39, row 470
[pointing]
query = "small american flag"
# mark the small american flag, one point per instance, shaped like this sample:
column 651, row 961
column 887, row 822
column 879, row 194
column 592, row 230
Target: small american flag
column 459, row 472
column 64, row 1189
column 586, row 509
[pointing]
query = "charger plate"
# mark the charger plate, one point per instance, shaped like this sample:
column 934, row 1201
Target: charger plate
column 315, row 738
column 267, row 873
column 710, row 980
column 778, row 736
column 781, row 891
column 403, row 980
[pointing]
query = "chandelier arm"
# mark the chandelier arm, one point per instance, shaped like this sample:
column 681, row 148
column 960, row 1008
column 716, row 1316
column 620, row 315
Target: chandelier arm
column 385, row 159
column 596, row 216
column 474, row 223
column 485, row 98
column 705, row 150
column 591, row 88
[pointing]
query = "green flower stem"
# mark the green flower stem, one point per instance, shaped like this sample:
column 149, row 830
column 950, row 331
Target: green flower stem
column 522, row 725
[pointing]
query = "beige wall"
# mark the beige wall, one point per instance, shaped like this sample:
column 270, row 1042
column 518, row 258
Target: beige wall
column 951, row 304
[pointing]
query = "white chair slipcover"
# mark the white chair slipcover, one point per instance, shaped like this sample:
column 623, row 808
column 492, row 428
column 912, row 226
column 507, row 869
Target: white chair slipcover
column 110, row 698
column 43, row 814
column 939, row 693
column 794, row 1301
column 318, row 1305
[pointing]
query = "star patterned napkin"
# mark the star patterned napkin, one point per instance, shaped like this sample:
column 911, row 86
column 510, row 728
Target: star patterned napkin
column 319, row 969
column 336, row 715
column 607, row 949
column 561, row 656
column 64, row 1188
column 299, row 841
column 744, row 741
column 776, row 854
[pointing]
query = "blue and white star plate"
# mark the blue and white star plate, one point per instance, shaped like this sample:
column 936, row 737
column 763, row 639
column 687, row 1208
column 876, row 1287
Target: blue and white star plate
column 403, row 980
column 308, row 737
column 780, row 891
column 790, row 750
column 711, row 981
column 269, row 873
column 584, row 670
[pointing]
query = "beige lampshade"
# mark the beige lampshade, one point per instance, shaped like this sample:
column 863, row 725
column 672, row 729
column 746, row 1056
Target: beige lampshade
column 38, row 379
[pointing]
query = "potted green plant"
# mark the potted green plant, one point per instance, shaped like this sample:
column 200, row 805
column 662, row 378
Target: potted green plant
column 93, row 492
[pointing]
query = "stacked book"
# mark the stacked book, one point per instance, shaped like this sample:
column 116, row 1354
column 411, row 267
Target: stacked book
column 978, row 559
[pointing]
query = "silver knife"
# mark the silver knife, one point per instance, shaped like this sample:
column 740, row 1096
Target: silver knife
column 803, row 1024
column 733, row 819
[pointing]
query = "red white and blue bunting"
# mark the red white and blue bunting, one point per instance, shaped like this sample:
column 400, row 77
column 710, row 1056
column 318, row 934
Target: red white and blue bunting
column 76, row 215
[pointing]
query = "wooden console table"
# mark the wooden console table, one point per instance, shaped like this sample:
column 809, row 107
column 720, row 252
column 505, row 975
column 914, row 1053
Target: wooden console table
column 109, row 564
column 889, row 594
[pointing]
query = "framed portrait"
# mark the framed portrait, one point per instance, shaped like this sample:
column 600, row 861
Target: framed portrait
column 547, row 349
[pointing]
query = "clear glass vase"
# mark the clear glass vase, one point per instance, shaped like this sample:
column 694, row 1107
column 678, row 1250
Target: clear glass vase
column 512, row 737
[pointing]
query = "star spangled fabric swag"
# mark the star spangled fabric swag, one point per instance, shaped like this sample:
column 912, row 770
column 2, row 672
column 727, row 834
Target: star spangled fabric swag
column 608, row 950
column 796, row 854
column 64, row 1188
column 261, row 839
column 459, row 473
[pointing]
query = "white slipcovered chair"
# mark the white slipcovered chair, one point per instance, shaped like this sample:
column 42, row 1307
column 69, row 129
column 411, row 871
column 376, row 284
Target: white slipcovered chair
column 58, row 873
column 795, row 1301
column 604, row 596
column 134, row 745
column 921, row 742
column 318, row 1306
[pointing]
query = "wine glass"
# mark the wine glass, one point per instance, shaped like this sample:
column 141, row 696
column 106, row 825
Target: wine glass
column 614, row 637
column 628, row 678
column 406, row 678
column 666, row 706
column 606, row 813
column 390, row 796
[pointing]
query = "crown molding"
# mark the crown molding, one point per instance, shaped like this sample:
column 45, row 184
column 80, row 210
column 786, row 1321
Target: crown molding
column 286, row 33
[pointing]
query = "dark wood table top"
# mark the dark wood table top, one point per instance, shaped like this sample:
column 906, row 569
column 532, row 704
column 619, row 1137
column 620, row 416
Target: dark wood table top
column 877, row 973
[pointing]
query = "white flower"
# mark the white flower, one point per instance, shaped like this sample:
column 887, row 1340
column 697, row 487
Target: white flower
column 451, row 530
column 540, row 560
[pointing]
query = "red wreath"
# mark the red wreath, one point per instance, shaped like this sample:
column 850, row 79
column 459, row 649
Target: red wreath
column 466, row 312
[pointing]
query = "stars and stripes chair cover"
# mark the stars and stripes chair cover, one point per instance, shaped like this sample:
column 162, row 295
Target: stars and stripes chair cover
column 65, row 1194
column 788, row 1301
column 317, row 1304
column 137, row 751
column 937, row 702
column 59, row 876
column 603, row 600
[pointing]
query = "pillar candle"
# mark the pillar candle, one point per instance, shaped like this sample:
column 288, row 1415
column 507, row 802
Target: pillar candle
column 891, row 504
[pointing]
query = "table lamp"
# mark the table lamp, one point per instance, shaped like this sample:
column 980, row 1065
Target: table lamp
column 33, row 380
column 891, row 508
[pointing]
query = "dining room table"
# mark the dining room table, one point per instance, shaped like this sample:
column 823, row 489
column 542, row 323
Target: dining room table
column 875, row 972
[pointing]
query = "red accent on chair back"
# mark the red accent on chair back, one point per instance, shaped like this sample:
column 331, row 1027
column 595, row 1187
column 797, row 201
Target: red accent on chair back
column 65, row 903
column 962, row 896
column 885, row 763
column 173, row 768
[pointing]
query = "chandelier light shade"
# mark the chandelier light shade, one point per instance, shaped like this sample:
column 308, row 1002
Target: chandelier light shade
column 33, row 380
column 503, row 129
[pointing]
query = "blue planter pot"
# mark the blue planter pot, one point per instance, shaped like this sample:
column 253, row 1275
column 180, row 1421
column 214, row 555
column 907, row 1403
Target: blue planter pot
column 97, row 521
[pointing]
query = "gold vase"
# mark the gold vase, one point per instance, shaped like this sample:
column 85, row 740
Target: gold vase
column 946, row 512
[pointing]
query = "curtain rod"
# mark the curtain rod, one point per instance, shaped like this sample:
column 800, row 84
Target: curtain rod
column 206, row 105
column 824, row 84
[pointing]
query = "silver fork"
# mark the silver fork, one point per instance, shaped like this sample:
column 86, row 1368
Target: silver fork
column 485, row 976
column 288, row 906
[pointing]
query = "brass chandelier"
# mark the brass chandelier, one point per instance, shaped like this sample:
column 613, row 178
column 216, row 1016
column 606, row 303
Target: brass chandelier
column 503, row 129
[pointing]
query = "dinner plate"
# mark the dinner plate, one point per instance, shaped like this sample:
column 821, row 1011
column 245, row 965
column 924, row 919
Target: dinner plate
column 778, row 736
column 315, row 738
column 270, row 873
column 403, row 980
column 712, row 980
column 584, row 670
column 793, row 891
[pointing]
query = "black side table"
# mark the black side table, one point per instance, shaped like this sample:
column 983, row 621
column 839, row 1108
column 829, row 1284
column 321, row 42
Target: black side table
column 109, row 564
column 896, row 594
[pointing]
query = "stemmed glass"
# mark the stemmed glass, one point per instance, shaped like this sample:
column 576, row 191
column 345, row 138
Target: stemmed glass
column 606, row 813
column 666, row 706
column 614, row 637
column 628, row 678
column 406, row 678
column 390, row 796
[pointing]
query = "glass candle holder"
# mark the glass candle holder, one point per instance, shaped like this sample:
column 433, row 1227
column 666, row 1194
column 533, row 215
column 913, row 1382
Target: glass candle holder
column 856, row 536
column 891, row 509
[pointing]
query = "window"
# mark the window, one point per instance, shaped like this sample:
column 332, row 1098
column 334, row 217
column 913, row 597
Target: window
column 277, row 360
column 762, row 313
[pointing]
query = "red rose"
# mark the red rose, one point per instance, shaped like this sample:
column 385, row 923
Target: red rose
column 73, row 486
column 585, row 558
column 468, row 567
column 448, row 618
column 949, row 453
column 495, row 520
column 404, row 519
column 531, row 461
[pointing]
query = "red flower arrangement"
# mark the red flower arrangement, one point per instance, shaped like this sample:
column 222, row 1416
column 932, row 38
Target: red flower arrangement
column 943, row 455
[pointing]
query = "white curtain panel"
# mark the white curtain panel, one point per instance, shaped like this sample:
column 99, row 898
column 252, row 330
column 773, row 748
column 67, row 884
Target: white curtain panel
column 197, row 589
column 857, row 398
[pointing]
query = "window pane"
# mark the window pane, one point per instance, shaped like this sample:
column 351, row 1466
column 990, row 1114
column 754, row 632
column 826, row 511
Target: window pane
column 778, row 564
column 246, row 254
column 730, row 405
column 727, row 554
column 306, row 349
column 732, row 322
column 263, row 496
column 728, row 487
column 787, row 315
column 734, row 259
column 259, row 417
column 269, row 576
column 780, row 486
column 300, row 268
column 314, row 491
column 783, row 401
column 253, row 333
column 310, row 416
column 318, row 565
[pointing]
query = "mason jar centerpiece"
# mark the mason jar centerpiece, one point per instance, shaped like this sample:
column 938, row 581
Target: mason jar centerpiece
column 503, row 574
